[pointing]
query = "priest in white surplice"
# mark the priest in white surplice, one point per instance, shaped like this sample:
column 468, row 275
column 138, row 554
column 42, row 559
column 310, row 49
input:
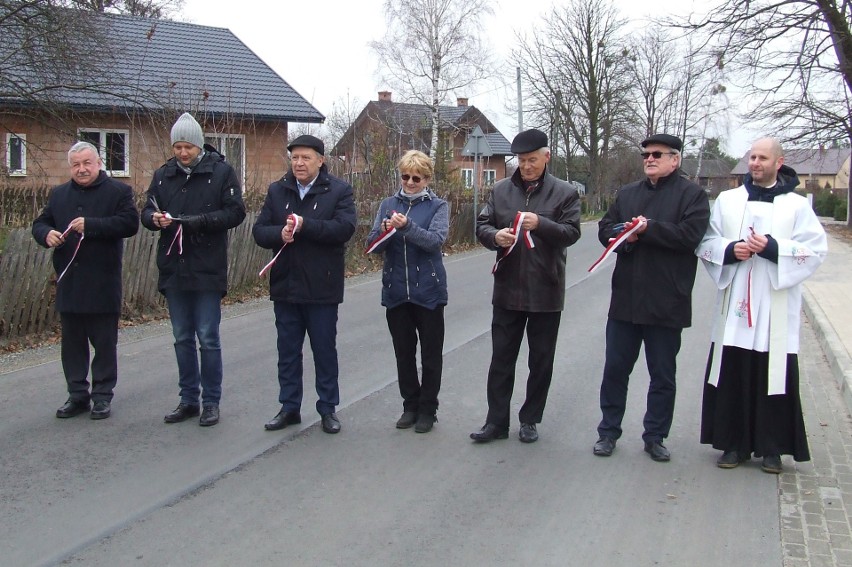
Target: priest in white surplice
column 764, row 240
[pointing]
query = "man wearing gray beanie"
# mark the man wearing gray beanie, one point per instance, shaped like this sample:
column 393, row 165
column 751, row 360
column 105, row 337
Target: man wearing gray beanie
column 193, row 200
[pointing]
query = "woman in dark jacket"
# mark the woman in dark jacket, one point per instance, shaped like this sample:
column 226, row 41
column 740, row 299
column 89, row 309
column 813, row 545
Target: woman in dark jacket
column 193, row 200
column 410, row 229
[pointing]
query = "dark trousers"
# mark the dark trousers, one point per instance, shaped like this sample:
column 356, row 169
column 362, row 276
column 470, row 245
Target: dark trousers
column 623, row 341
column 406, row 322
column 507, row 332
column 319, row 321
column 78, row 331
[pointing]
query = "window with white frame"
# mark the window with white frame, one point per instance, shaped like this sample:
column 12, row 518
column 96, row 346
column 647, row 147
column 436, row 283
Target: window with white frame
column 467, row 178
column 232, row 146
column 489, row 176
column 113, row 146
column 16, row 154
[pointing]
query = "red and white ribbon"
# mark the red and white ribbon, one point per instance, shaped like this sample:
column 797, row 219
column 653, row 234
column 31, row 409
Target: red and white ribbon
column 629, row 228
column 379, row 239
column 522, row 235
column 177, row 239
column 77, row 249
column 296, row 222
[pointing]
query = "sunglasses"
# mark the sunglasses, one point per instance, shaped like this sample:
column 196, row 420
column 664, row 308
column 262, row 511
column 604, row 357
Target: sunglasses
column 656, row 155
column 415, row 178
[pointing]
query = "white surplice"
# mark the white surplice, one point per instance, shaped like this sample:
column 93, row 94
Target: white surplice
column 759, row 302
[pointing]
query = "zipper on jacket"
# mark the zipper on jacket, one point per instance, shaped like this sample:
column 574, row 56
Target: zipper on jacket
column 405, row 257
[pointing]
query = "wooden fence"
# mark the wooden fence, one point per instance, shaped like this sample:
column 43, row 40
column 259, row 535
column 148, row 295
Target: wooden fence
column 28, row 282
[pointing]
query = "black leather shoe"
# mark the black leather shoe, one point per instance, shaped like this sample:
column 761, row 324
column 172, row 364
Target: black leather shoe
column 528, row 433
column 282, row 420
column 100, row 410
column 489, row 432
column 604, row 447
column 209, row 416
column 182, row 413
column 330, row 423
column 657, row 451
column 407, row 419
column 772, row 464
column 729, row 460
column 424, row 423
column 72, row 408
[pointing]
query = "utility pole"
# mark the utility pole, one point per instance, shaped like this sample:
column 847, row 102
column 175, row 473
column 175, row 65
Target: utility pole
column 520, row 103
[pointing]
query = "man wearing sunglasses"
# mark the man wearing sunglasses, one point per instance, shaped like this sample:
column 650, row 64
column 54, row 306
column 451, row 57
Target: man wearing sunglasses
column 652, row 284
column 530, row 219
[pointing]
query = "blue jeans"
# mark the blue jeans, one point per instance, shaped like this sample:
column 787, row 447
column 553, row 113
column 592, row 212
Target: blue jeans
column 293, row 320
column 197, row 313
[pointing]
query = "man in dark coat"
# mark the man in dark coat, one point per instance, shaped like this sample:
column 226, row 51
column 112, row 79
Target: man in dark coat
column 85, row 222
column 530, row 219
column 306, row 220
column 651, row 289
column 193, row 200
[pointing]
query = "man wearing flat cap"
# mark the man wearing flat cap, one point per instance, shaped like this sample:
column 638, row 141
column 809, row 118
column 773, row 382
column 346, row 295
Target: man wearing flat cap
column 652, row 283
column 530, row 219
column 193, row 200
column 308, row 217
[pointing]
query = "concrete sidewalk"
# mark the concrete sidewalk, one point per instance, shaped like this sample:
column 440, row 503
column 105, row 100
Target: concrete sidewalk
column 828, row 305
column 815, row 498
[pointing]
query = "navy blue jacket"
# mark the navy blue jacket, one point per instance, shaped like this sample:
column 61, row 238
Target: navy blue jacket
column 414, row 267
column 211, row 190
column 311, row 268
column 93, row 283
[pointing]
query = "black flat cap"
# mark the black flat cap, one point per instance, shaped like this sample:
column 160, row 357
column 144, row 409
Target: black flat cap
column 308, row 141
column 529, row 141
column 673, row 142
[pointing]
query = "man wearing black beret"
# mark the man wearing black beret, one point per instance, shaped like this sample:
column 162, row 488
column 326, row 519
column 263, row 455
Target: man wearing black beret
column 308, row 217
column 530, row 219
column 651, row 289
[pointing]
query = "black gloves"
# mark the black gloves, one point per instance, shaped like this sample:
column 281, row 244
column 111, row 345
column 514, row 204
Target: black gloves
column 194, row 223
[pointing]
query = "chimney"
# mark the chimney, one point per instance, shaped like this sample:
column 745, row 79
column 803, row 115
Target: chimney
column 384, row 96
column 461, row 101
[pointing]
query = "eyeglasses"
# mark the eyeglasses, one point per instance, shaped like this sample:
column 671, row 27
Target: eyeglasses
column 415, row 178
column 656, row 155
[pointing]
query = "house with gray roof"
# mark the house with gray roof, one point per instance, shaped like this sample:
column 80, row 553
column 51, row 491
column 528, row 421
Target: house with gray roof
column 818, row 169
column 711, row 173
column 384, row 130
column 155, row 70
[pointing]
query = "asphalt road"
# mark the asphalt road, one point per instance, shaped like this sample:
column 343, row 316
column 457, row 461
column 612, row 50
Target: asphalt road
column 131, row 490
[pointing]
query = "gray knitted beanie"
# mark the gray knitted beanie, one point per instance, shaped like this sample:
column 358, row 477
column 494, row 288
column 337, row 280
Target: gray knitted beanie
column 186, row 129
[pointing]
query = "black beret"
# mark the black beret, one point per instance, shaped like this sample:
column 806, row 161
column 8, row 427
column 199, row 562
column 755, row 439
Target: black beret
column 308, row 141
column 673, row 142
column 529, row 141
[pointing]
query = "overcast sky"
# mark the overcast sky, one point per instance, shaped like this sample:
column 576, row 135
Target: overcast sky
column 321, row 48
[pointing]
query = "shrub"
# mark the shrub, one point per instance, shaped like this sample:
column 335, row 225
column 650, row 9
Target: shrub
column 825, row 203
column 840, row 211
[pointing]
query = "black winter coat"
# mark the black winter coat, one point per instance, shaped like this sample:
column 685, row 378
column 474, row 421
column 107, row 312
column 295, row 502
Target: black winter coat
column 311, row 268
column 653, row 278
column 93, row 283
column 531, row 279
column 211, row 190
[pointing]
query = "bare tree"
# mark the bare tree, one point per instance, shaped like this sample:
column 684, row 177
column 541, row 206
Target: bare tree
column 794, row 58
column 157, row 9
column 432, row 48
column 40, row 58
column 577, row 63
